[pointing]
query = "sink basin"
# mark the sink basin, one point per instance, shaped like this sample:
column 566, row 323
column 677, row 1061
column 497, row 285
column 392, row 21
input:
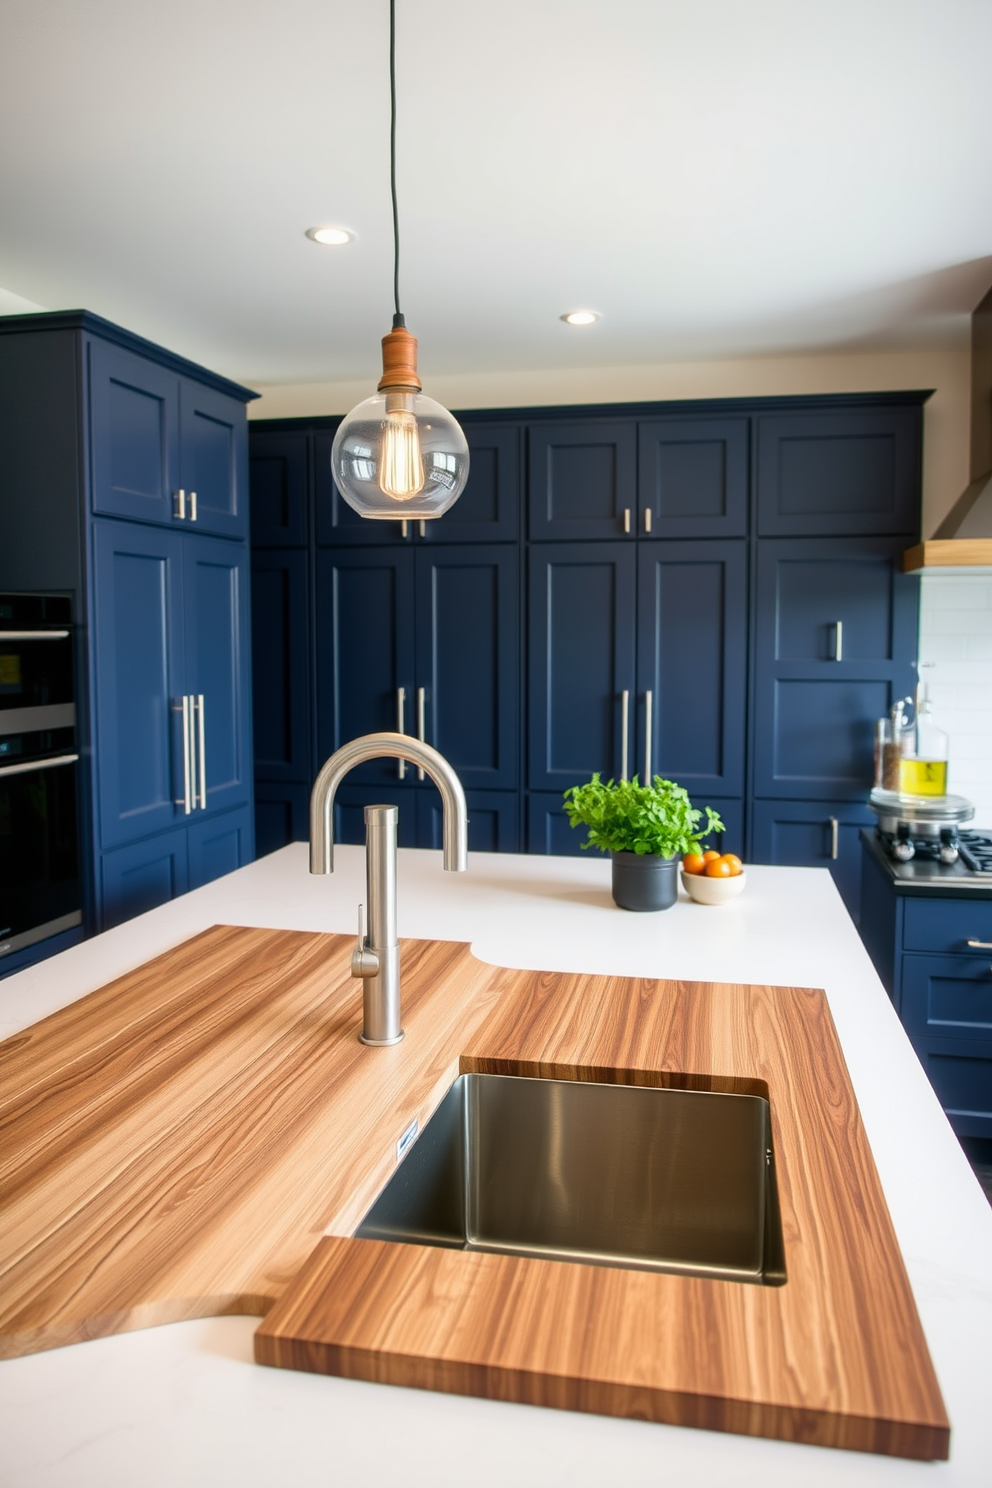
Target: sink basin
column 608, row 1175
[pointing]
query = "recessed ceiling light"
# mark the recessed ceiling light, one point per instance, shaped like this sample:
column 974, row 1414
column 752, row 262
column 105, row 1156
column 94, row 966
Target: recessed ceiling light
column 580, row 317
column 331, row 237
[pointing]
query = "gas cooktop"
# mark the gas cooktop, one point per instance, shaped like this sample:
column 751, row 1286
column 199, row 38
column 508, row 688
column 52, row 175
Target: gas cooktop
column 970, row 874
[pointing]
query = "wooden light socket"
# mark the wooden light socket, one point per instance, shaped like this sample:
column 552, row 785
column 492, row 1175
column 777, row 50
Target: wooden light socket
column 399, row 361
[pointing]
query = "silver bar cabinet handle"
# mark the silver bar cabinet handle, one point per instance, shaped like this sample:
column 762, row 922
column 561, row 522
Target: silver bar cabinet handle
column 422, row 526
column 180, row 506
column 421, row 724
column 626, row 519
column 33, row 635
column 202, row 741
column 647, row 519
column 27, row 766
column 404, row 529
column 187, row 795
column 834, row 837
column 192, row 506
column 401, row 726
column 624, row 723
column 838, row 640
column 648, row 708
column 980, row 945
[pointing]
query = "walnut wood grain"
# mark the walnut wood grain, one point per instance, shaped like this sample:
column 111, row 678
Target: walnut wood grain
column 836, row 1356
column 176, row 1144
column 173, row 1145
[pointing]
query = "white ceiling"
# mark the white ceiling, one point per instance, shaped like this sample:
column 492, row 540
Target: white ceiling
column 716, row 177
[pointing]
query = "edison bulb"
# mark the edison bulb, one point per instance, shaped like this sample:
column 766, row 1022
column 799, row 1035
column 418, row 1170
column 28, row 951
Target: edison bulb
column 400, row 456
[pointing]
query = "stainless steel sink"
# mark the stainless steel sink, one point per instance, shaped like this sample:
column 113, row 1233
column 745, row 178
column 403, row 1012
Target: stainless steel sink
column 608, row 1175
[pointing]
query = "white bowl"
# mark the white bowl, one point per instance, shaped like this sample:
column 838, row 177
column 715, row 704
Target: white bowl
column 712, row 890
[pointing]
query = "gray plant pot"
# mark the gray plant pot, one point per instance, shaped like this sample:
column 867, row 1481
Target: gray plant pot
column 644, row 881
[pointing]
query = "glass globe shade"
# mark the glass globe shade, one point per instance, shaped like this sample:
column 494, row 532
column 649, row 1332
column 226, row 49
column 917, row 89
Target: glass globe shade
column 399, row 456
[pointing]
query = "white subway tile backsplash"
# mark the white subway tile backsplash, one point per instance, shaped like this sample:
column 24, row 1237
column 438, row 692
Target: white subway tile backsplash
column 956, row 664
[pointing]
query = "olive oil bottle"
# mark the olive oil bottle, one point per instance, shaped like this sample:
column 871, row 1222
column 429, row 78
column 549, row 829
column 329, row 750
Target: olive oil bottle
column 924, row 772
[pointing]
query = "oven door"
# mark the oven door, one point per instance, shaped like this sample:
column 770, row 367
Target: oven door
column 36, row 682
column 39, row 851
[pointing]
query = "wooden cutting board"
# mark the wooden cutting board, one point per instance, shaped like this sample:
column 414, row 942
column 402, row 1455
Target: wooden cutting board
column 176, row 1145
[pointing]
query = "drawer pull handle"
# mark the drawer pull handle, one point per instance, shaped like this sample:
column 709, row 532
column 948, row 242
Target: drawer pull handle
column 838, row 640
column 834, row 843
column 980, row 945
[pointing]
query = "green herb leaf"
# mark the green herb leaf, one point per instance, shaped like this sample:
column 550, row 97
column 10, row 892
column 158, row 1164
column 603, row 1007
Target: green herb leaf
column 624, row 816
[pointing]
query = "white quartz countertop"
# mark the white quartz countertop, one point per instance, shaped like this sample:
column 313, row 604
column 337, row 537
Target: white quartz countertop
column 186, row 1404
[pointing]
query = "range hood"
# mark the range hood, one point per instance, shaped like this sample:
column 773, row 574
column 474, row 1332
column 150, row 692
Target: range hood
column 964, row 537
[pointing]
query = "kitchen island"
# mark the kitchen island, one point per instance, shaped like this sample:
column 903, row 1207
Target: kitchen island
column 184, row 1400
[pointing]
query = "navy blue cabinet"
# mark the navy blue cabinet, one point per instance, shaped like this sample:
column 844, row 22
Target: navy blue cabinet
column 835, row 645
column 278, row 481
column 839, row 472
column 582, row 629
column 170, row 618
column 941, row 986
column 692, row 477
column 813, row 834
column 692, row 663
column 582, row 480
column 165, row 448
column 423, row 642
column 637, row 661
column 106, row 431
column 280, row 640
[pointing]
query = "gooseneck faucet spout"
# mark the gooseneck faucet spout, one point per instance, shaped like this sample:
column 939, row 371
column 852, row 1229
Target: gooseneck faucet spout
column 377, row 955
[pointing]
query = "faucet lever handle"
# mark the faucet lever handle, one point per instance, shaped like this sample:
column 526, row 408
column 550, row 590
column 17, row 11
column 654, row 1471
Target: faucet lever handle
column 364, row 963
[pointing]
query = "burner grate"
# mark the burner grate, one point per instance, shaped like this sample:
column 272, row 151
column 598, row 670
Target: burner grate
column 976, row 851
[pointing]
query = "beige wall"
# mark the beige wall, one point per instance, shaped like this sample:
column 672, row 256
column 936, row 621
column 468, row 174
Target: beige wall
column 945, row 369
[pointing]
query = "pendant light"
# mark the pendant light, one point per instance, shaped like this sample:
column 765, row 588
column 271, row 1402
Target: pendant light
column 399, row 455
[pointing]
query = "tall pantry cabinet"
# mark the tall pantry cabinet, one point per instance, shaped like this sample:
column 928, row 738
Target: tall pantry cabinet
column 125, row 485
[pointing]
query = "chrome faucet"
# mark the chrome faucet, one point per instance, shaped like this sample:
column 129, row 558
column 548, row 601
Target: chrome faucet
column 376, row 958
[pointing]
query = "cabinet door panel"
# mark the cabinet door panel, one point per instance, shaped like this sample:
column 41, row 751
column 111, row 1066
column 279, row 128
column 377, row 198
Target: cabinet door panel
column 277, row 479
column 583, row 477
column 488, row 510
column 692, row 656
column 214, row 459
column 801, row 834
column 948, row 997
column 219, row 844
column 693, row 476
column 138, row 620
column 549, row 830
column 282, row 815
column 842, row 471
column 215, row 593
column 962, row 1080
column 365, row 651
column 493, row 820
column 134, row 435
column 946, row 925
column 142, row 876
column 815, row 712
column 280, row 665
column 468, row 659
column 581, row 659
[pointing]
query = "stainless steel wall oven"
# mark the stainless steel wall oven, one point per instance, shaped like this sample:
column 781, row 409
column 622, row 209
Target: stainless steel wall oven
column 40, row 890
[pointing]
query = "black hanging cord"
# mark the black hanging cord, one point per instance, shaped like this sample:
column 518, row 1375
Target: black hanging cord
column 398, row 316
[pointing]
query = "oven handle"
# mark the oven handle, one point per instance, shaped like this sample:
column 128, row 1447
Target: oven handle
column 27, row 766
column 33, row 635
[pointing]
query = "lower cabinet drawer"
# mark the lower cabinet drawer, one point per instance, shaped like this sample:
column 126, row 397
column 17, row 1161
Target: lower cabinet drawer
column 962, row 1081
column 948, row 997
column 945, row 926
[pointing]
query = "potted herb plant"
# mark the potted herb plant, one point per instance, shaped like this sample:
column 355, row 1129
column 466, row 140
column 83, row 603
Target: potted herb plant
column 646, row 829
